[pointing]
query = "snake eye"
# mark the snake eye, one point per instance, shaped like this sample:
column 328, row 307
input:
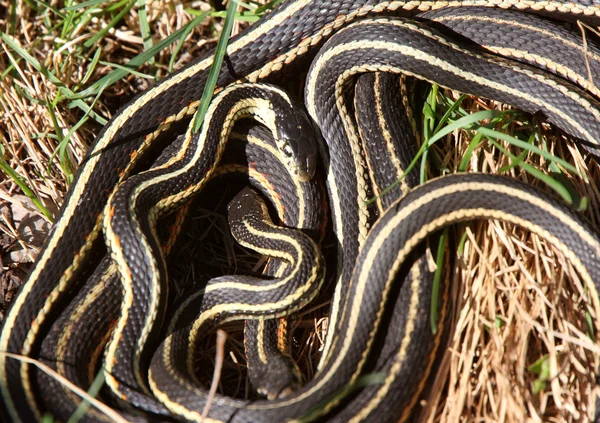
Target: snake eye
column 287, row 150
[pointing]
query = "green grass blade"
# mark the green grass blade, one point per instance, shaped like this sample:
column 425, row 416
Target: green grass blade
column 51, row 77
column 93, row 392
column 215, row 69
column 249, row 6
column 64, row 143
column 127, row 70
column 464, row 162
column 269, row 6
column 67, row 24
column 65, row 164
column 548, row 180
column 429, row 112
column 100, row 34
column 49, row 7
column 490, row 133
column 13, row 17
column 465, row 122
column 145, row 27
column 437, row 277
column 10, row 172
column 47, row 418
column 138, row 60
column 451, row 110
column 85, row 4
column 187, row 29
column 92, row 66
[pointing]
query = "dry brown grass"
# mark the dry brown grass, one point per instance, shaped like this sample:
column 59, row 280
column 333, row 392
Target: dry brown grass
column 517, row 301
column 30, row 134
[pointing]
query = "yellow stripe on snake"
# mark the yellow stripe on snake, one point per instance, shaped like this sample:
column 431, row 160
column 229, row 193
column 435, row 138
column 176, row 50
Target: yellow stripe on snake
column 536, row 66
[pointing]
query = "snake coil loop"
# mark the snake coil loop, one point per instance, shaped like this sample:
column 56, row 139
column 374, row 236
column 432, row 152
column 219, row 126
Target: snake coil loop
column 362, row 52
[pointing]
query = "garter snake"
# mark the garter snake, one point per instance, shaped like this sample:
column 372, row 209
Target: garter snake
column 72, row 346
column 403, row 47
column 412, row 49
column 57, row 272
column 432, row 206
column 197, row 156
column 133, row 210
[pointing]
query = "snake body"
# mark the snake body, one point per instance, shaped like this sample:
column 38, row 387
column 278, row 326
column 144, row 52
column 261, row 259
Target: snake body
column 106, row 198
column 72, row 346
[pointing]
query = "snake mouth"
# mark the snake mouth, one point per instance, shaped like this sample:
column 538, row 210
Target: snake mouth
column 306, row 167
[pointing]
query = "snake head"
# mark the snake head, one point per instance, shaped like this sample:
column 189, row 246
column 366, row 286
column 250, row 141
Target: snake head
column 282, row 379
column 246, row 205
column 297, row 140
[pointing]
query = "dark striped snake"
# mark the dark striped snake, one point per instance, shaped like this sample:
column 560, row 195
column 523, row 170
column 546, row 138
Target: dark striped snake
column 122, row 191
